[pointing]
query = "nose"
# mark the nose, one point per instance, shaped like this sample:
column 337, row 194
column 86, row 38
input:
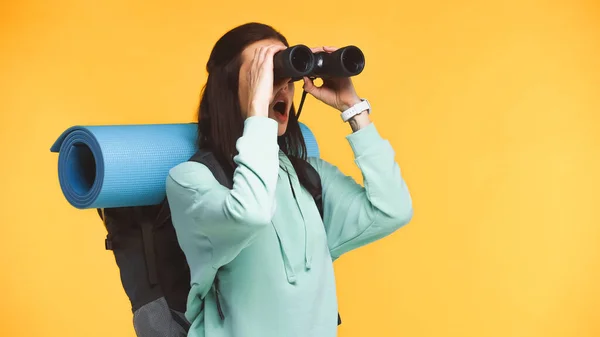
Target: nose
column 281, row 86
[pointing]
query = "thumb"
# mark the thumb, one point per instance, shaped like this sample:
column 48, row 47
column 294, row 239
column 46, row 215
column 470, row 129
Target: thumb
column 309, row 86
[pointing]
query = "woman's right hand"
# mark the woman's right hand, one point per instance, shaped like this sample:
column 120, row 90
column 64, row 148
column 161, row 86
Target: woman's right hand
column 260, row 80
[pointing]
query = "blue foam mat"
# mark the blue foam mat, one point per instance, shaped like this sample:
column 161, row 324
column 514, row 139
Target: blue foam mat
column 127, row 165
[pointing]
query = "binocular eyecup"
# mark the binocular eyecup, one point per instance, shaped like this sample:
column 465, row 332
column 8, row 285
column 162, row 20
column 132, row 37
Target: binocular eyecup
column 298, row 61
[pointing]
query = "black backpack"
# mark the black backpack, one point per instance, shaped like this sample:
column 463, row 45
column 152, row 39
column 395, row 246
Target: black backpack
column 154, row 271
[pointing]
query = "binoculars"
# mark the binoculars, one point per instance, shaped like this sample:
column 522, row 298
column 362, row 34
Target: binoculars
column 299, row 61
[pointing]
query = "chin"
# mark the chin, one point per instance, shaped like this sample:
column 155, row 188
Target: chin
column 282, row 129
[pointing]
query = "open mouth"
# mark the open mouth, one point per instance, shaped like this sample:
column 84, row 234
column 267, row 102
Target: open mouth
column 280, row 107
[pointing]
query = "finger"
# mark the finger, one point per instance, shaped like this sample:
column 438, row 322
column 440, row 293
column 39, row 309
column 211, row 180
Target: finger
column 261, row 55
column 250, row 71
column 274, row 49
column 317, row 49
column 330, row 49
column 256, row 52
column 309, row 86
column 278, row 47
column 254, row 58
column 268, row 54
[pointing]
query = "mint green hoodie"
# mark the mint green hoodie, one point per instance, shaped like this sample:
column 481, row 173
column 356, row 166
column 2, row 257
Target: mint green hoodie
column 270, row 251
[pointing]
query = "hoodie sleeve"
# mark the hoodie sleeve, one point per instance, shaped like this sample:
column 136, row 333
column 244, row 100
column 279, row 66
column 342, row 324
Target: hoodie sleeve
column 355, row 215
column 211, row 218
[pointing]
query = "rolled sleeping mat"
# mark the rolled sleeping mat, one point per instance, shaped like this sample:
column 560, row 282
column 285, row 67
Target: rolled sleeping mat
column 110, row 166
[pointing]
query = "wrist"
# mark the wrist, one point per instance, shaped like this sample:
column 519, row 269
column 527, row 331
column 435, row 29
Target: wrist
column 349, row 103
column 359, row 121
column 258, row 110
column 359, row 112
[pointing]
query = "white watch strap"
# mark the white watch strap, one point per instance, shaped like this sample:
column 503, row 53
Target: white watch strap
column 356, row 109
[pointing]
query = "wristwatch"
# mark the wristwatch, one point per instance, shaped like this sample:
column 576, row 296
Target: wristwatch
column 356, row 109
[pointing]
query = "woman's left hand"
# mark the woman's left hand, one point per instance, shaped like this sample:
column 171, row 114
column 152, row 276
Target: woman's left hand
column 337, row 92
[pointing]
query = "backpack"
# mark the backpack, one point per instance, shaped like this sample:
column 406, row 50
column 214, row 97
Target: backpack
column 153, row 268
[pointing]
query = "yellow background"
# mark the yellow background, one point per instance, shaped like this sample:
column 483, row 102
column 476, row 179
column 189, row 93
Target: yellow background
column 493, row 109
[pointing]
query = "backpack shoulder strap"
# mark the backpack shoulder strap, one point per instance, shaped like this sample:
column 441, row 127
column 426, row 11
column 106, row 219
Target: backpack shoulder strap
column 314, row 180
column 208, row 158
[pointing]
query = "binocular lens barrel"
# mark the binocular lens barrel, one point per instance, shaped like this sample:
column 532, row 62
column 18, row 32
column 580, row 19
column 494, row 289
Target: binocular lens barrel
column 344, row 62
column 353, row 60
column 298, row 61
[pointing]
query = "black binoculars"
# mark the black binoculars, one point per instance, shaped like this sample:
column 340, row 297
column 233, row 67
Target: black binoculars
column 298, row 61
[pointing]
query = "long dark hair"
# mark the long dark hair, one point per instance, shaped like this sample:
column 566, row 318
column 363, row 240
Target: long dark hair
column 220, row 120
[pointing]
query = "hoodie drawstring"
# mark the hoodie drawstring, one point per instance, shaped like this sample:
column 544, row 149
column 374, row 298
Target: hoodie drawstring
column 289, row 271
column 307, row 240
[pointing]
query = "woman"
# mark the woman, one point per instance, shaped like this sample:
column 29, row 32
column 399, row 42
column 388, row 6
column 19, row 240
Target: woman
column 264, row 240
